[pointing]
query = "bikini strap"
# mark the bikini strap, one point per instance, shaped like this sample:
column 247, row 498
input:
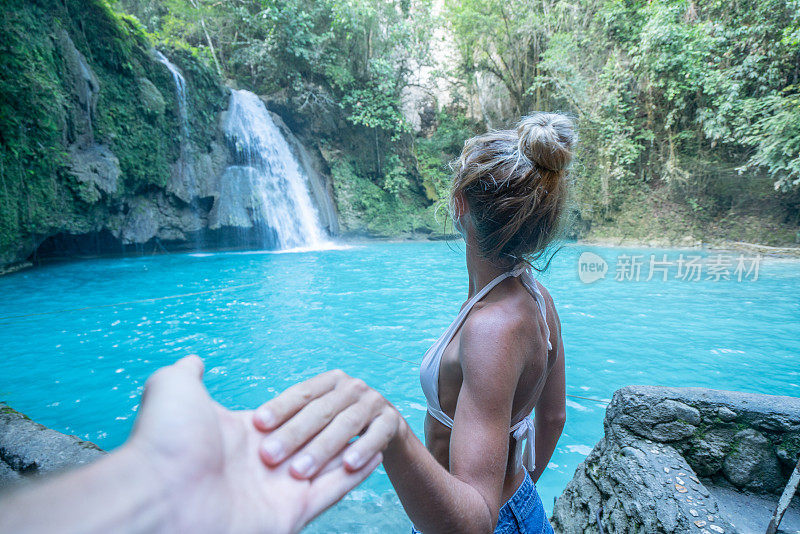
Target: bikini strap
column 429, row 370
column 529, row 281
column 525, row 430
column 431, row 366
column 456, row 324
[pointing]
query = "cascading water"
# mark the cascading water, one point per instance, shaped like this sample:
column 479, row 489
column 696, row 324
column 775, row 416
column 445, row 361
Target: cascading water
column 185, row 170
column 267, row 184
column 180, row 92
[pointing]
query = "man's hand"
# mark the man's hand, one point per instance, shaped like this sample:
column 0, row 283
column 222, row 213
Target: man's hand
column 207, row 456
column 190, row 466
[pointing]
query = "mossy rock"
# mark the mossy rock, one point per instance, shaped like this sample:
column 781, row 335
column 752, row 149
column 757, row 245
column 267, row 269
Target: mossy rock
column 151, row 97
column 80, row 75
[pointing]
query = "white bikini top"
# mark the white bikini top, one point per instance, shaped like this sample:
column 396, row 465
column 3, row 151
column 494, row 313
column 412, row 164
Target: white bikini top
column 524, row 428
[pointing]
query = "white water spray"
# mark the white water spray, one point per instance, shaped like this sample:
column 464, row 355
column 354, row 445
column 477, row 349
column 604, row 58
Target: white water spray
column 183, row 115
column 267, row 172
column 180, row 92
column 185, row 170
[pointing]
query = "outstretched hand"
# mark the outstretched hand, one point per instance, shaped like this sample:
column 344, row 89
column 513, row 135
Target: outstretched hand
column 207, row 457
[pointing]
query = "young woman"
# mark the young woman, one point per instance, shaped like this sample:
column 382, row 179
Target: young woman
column 499, row 362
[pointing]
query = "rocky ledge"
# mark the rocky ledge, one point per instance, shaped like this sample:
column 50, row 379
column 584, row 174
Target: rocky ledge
column 684, row 460
column 29, row 449
column 673, row 460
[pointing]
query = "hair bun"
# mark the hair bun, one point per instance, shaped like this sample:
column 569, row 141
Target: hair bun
column 547, row 140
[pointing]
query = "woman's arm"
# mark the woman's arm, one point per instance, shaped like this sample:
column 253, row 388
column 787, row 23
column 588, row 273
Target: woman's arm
column 468, row 498
column 551, row 411
column 328, row 410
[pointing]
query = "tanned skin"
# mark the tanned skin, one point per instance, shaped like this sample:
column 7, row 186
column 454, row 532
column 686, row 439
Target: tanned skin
column 496, row 369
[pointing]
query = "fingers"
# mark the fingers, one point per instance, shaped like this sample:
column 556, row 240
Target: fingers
column 314, row 421
column 377, row 437
column 329, row 440
column 172, row 394
column 191, row 364
column 348, row 408
column 334, row 463
column 331, row 485
column 189, row 367
column 273, row 413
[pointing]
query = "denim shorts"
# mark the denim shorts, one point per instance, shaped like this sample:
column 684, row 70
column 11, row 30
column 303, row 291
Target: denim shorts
column 523, row 513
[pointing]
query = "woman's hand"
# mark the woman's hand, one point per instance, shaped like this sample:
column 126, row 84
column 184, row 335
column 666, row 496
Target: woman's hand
column 314, row 421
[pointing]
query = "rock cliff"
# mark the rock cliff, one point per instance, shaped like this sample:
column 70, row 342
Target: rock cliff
column 677, row 460
column 100, row 153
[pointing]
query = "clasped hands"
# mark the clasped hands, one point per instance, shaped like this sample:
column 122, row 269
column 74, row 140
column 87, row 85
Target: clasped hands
column 269, row 470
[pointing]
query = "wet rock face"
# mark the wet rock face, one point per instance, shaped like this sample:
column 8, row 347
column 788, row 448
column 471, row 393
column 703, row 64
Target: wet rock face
column 665, row 451
column 28, row 449
column 151, row 97
column 126, row 153
column 319, row 181
column 753, row 463
column 204, row 195
column 85, row 89
column 96, row 168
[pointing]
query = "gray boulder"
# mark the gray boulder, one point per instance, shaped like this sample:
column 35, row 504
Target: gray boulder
column 671, row 456
column 753, row 463
column 29, row 449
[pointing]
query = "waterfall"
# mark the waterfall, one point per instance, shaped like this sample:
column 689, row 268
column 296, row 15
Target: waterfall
column 185, row 170
column 267, row 184
column 180, row 92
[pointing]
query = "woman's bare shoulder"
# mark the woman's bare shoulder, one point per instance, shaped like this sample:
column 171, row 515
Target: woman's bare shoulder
column 496, row 330
column 550, row 306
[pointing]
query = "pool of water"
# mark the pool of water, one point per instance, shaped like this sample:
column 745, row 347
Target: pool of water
column 82, row 372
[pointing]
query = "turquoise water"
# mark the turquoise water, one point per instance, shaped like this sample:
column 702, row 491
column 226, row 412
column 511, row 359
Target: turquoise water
column 82, row 372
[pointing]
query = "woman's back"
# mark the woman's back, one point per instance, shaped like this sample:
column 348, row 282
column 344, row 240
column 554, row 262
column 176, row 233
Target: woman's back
column 507, row 310
column 492, row 366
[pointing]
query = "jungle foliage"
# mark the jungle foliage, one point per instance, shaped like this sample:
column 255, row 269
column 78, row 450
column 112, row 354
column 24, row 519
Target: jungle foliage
column 43, row 116
column 685, row 108
column 688, row 112
column 345, row 61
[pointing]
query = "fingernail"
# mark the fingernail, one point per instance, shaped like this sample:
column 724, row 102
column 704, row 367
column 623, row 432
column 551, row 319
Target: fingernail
column 303, row 465
column 273, row 448
column 266, row 417
column 353, row 459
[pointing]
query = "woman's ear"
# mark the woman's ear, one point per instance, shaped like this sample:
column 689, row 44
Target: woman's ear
column 460, row 205
column 460, row 211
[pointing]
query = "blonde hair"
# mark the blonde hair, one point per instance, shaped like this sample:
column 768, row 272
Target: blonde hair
column 515, row 182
